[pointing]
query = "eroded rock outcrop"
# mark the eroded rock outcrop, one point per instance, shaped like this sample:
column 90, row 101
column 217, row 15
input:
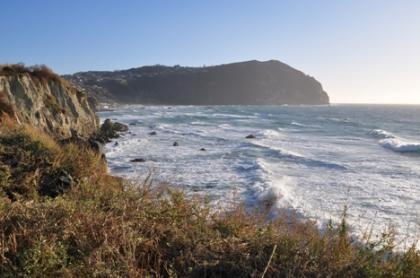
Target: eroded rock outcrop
column 41, row 98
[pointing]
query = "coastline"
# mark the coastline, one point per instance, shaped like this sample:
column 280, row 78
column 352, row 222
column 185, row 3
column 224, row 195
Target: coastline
column 63, row 214
column 151, row 151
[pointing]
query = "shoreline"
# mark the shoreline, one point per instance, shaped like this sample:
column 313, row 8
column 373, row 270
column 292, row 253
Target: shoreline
column 321, row 222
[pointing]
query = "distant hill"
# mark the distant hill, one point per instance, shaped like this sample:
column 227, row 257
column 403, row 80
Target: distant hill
column 251, row 82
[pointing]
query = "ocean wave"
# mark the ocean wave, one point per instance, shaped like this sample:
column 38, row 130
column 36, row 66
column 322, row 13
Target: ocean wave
column 275, row 192
column 380, row 133
column 200, row 123
column 395, row 143
column 400, row 145
column 234, row 116
column 297, row 124
column 270, row 134
column 225, row 126
column 343, row 121
column 297, row 158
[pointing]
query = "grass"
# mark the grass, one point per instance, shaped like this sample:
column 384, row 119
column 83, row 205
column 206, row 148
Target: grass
column 39, row 73
column 102, row 226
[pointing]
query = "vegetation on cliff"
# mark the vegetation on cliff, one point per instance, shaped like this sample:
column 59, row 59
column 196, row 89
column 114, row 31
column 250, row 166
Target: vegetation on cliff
column 39, row 97
column 102, row 226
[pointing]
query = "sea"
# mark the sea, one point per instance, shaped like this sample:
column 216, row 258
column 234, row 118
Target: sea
column 318, row 161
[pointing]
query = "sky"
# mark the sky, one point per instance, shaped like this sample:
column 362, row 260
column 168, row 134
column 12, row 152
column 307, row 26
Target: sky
column 362, row 51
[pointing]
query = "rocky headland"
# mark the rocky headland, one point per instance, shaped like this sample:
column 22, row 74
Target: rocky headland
column 244, row 83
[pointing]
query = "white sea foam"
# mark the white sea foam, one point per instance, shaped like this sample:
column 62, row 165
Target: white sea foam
column 297, row 124
column 298, row 158
column 271, row 134
column 400, row 145
column 225, row 126
column 315, row 172
column 380, row 133
column 272, row 193
column 395, row 143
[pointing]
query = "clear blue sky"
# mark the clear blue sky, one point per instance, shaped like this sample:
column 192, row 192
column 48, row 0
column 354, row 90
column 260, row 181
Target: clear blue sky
column 360, row 50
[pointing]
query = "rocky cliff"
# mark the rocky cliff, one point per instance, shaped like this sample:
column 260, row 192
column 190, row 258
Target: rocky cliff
column 252, row 82
column 38, row 97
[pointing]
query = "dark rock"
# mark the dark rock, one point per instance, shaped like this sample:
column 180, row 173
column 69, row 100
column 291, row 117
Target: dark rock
column 116, row 144
column 107, row 132
column 152, row 133
column 56, row 184
column 251, row 136
column 203, row 149
column 97, row 146
column 119, row 127
column 93, row 143
column 75, row 139
column 110, row 130
column 138, row 160
column 175, row 144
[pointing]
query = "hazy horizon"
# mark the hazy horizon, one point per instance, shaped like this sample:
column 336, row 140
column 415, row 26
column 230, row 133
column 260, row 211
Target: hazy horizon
column 361, row 51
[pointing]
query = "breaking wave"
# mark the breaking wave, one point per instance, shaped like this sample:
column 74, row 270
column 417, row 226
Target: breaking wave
column 297, row 158
column 395, row 143
column 400, row 145
column 380, row 133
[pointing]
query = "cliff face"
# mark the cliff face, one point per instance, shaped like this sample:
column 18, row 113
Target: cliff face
column 251, row 82
column 40, row 98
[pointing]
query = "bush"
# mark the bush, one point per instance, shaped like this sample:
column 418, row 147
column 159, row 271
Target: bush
column 36, row 163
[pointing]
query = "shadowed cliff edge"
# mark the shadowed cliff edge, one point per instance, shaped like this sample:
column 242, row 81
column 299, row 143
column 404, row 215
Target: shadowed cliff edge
column 63, row 215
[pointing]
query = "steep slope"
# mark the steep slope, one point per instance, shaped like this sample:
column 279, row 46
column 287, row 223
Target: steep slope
column 252, row 82
column 38, row 97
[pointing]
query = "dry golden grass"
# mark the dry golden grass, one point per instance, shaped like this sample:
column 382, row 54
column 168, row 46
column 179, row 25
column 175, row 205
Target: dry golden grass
column 39, row 73
column 105, row 227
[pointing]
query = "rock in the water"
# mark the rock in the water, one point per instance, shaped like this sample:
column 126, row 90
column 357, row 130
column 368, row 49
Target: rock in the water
column 251, row 136
column 175, row 144
column 110, row 130
column 138, row 160
column 119, row 127
column 152, row 133
column 203, row 149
